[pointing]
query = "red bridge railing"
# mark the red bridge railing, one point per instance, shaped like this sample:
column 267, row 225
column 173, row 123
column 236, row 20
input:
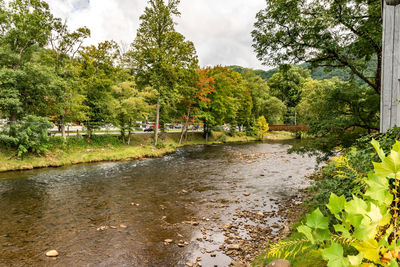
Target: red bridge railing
column 289, row 128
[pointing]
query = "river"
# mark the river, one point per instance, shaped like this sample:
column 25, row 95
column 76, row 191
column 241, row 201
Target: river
column 120, row 214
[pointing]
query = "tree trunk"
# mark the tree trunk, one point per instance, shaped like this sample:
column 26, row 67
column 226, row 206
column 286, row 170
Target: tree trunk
column 13, row 121
column 186, row 133
column 62, row 122
column 185, row 126
column 123, row 135
column 157, row 122
column 129, row 137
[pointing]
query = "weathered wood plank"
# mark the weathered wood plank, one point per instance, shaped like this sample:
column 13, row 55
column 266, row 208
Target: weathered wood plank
column 390, row 110
column 396, row 68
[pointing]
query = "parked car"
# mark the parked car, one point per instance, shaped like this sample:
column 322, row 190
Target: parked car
column 150, row 129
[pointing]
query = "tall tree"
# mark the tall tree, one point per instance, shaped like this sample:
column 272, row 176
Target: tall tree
column 64, row 45
column 264, row 104
column 131, row 105
column 230, row 100
column 25, row 26
column 331, row 33
column 159, row 53
column 98, row 74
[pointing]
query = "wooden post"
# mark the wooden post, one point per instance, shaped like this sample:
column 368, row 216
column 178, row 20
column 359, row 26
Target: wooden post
column 390, row 98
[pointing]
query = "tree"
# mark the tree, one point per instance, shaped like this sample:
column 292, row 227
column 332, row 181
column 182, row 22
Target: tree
column 64, row 46
column 25, row 26
column 331, row 106
column 264, row 104
column 287, row 84
column 230, row 100
column 262, row 127
column 97, row 75
column 331, row 33
column 158, row 53
column 131, row 105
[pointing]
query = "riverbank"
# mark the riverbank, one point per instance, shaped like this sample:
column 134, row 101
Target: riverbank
column 109, row 148
column 294, row 211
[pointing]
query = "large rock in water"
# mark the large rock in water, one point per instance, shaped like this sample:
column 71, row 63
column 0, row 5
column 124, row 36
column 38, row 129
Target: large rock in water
column 279, row 263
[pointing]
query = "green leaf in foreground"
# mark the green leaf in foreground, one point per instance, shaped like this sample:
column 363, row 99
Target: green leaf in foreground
column 336, row 204
column 334, row 256
column 378, row 189
column 317, row 220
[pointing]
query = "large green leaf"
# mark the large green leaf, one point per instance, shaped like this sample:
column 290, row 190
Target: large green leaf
column 336, row 204
column 334, row 256
column 317, row 220
column 365, row 231
column 354, row 219
column 390, row 166
column 356, row 260
column 323, row 234
column 379, row 189
column 356, row 206
column 307, row 231
column 378, row 149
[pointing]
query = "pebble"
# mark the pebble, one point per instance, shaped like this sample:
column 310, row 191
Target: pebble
column 234, row 246
column 52, row 253
column 123, row 226
column 168, row 241
column 246, row 194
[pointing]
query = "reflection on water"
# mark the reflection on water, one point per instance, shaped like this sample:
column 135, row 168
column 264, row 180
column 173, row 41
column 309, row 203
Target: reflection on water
column 63, row 208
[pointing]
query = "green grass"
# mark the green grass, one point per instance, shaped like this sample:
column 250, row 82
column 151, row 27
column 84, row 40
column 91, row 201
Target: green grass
column 103, row 148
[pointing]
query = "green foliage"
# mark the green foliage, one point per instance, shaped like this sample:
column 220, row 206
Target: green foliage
column 221, row 138
column 262, row 127
column 264, row 104
column 30, row 135
column 336, row 34
column 229, row 102
column 287, row 84
column 131, row 105
column 363, row 229
column 336, row 106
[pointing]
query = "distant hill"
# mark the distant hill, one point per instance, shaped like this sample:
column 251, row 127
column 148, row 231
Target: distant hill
column 316, row 74
column 265, row 75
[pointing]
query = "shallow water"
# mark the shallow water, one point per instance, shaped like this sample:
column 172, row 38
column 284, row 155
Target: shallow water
column 64, row 208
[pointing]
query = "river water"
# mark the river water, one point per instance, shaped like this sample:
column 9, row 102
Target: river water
column 120, row 214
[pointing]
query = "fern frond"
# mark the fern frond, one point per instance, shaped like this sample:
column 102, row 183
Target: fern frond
column 289, row 248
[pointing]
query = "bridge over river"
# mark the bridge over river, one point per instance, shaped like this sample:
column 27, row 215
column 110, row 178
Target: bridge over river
column 289, row 128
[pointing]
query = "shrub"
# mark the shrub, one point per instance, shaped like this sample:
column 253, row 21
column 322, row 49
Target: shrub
column 262, row 127
column 221, row 138
column 29, row 135
column 362, row 230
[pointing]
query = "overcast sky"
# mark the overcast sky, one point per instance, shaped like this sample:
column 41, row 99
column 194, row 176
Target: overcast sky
column 220, row 29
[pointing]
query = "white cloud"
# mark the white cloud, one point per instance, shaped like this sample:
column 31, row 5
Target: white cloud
column 220, row 29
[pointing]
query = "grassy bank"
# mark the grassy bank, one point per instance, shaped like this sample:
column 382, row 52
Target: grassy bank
column 110, row 148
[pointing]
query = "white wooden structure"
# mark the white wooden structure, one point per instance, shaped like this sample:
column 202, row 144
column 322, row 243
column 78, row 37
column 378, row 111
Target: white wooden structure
column 390, row 95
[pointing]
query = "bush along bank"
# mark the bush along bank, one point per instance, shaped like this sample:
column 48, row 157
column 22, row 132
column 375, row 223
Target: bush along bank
column 355, row 208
